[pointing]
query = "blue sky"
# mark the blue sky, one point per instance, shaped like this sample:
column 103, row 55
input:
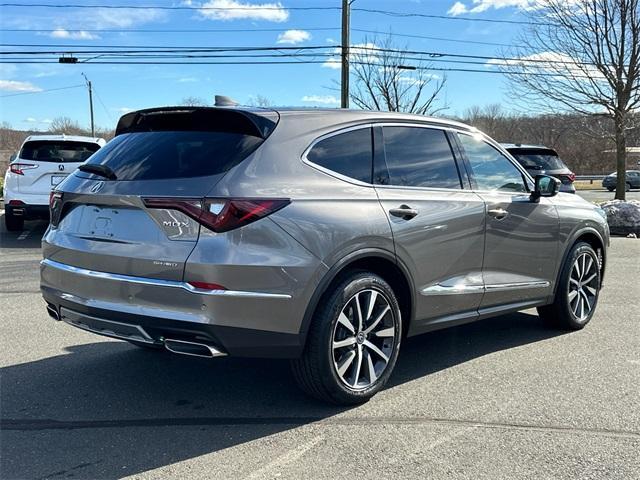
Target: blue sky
column 121, row 88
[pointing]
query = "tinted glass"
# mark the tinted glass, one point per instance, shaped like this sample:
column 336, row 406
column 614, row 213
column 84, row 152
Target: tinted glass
column 419, row 157
column 539, row 161
column 158, row 155
column 58, row 151
column 491, row 169
column 349, row 154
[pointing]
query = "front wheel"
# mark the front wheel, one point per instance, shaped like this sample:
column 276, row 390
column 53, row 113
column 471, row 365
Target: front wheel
column 353, row 342
column 611, row 189
column 577, row 290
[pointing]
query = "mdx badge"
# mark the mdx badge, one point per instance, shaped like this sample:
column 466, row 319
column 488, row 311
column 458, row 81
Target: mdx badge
column 97, row 187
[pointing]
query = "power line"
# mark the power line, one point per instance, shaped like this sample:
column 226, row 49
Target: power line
column 40, row 91
column 272, row 8
column 294, row 62
column 246, row 30
column 430, row 55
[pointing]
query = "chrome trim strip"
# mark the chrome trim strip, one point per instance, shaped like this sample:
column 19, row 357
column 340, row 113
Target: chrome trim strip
column 462, row 289
column 214, row 352
column 498, row 287
column 77, row 322
column 160, row 283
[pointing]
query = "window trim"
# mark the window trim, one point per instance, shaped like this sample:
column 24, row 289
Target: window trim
column 333, row 173
column 488, row 140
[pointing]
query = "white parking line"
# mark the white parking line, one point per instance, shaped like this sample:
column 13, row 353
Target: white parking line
column 24, row 234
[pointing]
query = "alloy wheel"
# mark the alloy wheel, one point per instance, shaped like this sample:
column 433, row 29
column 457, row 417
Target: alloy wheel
column 363, row 339
column 583, row 286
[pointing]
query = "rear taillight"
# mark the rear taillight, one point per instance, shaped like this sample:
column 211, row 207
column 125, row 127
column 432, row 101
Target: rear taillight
column 55, row 207
column 221, row 215
column 571, row 177
column 19, row 168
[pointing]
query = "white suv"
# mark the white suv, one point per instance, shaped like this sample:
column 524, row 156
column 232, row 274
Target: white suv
column 42, row 163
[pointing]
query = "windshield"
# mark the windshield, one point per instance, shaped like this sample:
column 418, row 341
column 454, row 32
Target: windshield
column 174, row 154
column 540, row 161
column 58, row 151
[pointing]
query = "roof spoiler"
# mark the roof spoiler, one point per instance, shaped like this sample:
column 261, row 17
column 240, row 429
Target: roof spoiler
column 230, row 120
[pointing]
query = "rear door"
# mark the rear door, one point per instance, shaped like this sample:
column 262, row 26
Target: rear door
column 50, row 162
column 522, row 237
column 135, row 224
column 438, row 227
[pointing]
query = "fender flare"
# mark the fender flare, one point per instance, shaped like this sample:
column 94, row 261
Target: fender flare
column 338, row 268
column 572, row 239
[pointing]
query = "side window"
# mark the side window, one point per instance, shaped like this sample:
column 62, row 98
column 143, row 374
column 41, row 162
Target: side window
column 419, row 157
column 349, row 154
column 491, row 169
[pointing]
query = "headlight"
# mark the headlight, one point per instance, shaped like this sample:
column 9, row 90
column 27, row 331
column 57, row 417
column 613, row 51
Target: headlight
column 602, row 213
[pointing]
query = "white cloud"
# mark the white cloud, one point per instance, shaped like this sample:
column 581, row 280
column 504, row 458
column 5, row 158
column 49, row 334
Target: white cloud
column 479, row 6
column 331, row 40
column 123, row 110
column 294, row 36
column 46, row 120
column 30, row 120
column 16, row 86
column 322, row 99
column 187, row 80
column 123, row 18
column 237, row 10
column 80, row 35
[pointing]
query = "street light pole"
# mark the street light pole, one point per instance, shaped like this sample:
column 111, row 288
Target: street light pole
column 344, row 81
column 93, row 131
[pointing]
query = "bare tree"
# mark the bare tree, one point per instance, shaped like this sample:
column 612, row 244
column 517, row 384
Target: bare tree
column 386, row 79
column 259, row 101
column 193, row 102
column 583, row 56
column 66, row 125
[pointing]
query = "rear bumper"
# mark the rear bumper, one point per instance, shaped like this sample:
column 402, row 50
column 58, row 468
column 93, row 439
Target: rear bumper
column 28, row 212
column 149, row 311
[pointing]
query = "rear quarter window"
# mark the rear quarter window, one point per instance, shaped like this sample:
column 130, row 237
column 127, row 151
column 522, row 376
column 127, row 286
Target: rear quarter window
column 350, row 154
column 58, row 151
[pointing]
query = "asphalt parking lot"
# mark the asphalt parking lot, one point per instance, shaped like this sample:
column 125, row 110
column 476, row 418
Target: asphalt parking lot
column 502, row 398
column 598, row 194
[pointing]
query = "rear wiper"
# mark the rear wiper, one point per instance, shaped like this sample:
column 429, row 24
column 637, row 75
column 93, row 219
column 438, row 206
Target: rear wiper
column 96, row 169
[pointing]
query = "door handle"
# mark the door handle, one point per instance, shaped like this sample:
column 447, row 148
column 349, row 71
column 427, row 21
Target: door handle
column 498, row 213
column 403, row 211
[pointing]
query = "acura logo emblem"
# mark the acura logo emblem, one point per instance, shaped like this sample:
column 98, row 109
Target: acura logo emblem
column 61, row 167
column 97, row 187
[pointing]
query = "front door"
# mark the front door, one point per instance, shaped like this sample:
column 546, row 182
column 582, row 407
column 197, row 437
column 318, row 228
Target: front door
column 522, row 236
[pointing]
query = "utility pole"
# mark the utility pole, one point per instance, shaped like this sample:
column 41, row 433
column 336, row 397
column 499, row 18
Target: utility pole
column 344, row 81
column 93, row 131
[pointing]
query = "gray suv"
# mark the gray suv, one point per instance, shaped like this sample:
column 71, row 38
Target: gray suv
column 323, row 236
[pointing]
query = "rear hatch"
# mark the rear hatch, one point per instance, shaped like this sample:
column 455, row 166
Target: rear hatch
column 543, row 161
column 130, row 210
column 45, row 163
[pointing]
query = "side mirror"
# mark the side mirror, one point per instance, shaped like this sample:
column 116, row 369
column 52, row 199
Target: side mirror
column 545, row 186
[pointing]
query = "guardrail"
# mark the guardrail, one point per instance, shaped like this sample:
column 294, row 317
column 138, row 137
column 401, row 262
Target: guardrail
column 590, row 178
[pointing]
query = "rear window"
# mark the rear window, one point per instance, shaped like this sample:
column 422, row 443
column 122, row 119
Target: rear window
column 174, row 154
column 539, row 161
column 58, row 151
column 349, row 154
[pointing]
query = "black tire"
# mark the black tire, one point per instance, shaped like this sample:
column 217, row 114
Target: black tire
column 627, row 187
column 563, row 312
column 13, row 223
column 611, row 189
column 316, row 371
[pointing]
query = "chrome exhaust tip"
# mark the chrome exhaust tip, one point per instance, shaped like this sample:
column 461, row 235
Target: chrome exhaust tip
column 192, row 348
column 53, row 313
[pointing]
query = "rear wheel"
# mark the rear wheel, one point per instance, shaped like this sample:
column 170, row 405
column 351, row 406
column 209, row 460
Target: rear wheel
column 627, row 187
column 611, row 189
column 353, row 341
column 577, row 290
column 13, row 223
